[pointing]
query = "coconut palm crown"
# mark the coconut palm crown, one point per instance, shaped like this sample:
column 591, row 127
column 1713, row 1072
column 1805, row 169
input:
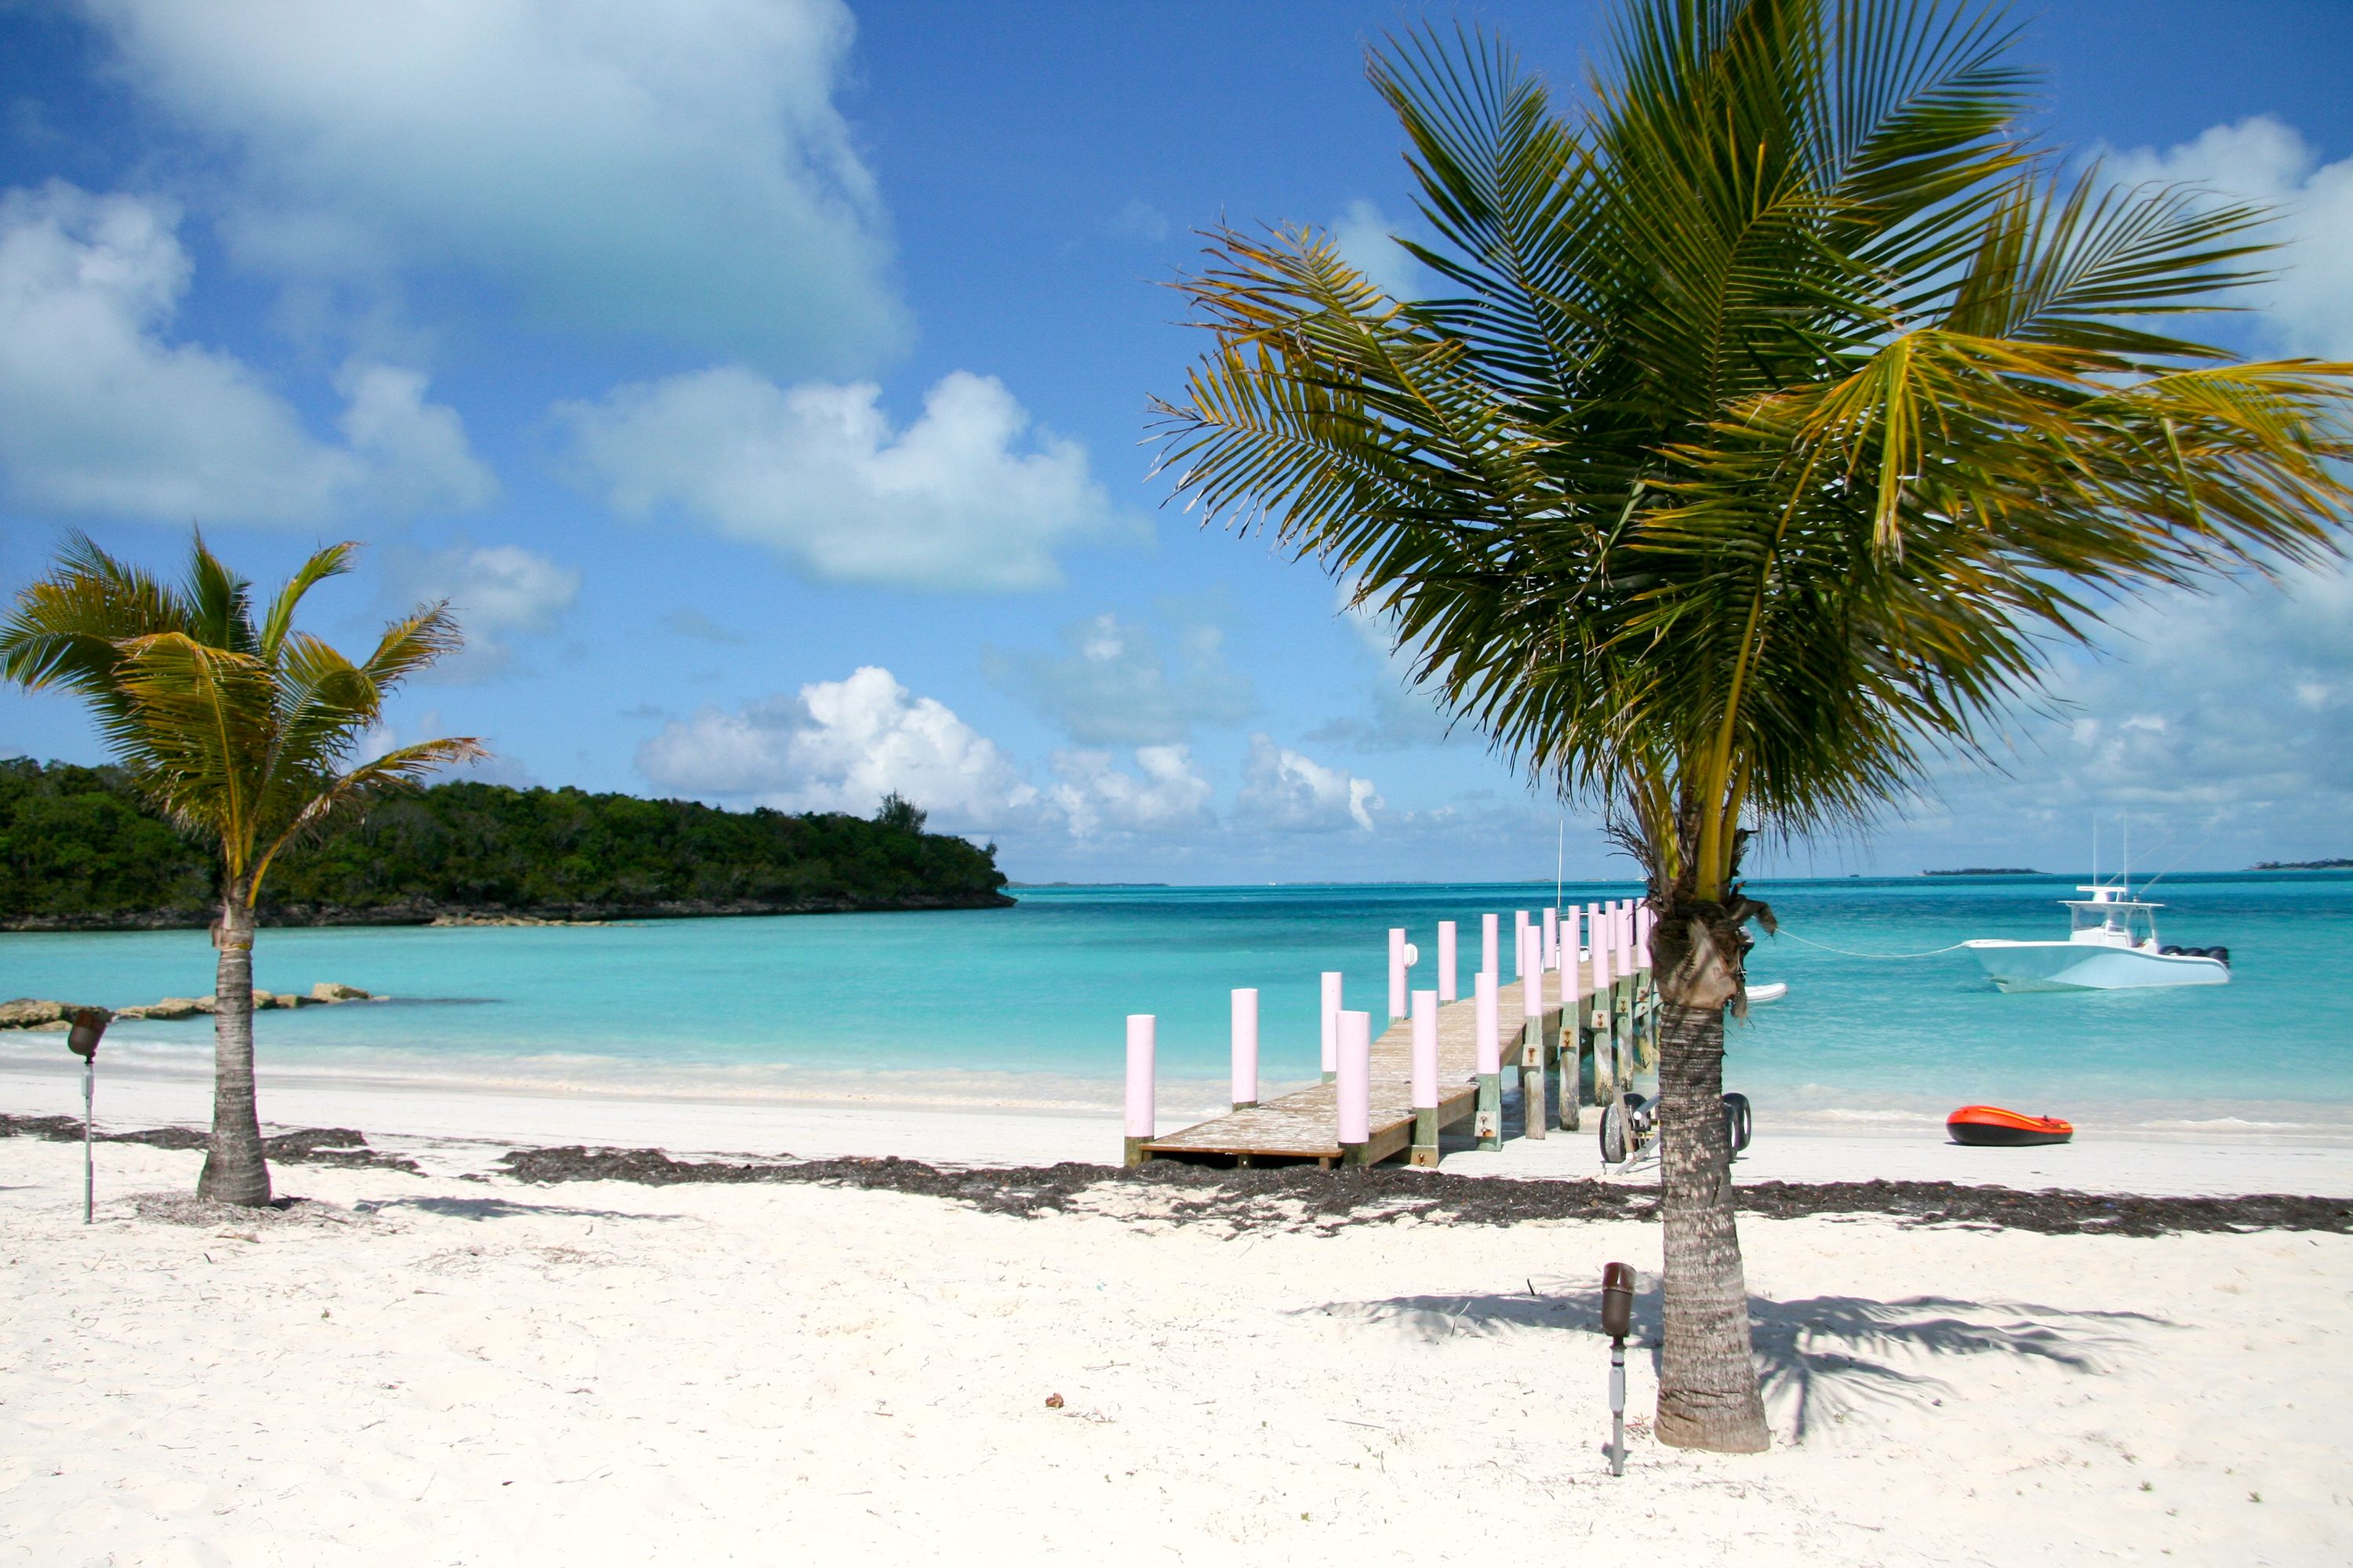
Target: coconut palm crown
column 1773, row 414
column 240, row 732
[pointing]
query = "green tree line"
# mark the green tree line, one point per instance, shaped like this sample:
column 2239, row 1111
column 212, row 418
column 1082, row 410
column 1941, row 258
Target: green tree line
column 79, row 848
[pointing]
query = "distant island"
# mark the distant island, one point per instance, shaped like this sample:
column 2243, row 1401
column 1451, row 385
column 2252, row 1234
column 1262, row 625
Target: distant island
column 2303, row 865
column 79, row 850
column 1985, row 871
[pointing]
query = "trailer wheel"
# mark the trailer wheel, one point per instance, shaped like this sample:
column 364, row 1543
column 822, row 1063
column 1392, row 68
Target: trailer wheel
column 1614, row 1132
column 1737, row 1129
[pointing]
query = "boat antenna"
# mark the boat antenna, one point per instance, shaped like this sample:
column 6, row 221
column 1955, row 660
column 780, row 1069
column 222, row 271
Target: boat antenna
column 1559, row 858
column 2096, row 849
column 2123, row 819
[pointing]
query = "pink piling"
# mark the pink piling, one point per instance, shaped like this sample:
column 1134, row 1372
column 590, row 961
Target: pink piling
column 1398, row 965
column 1425, row 1050
column 1355, row 1084
column 1446, row 960
column 1531, row 976
column 1552, row 939
column 1487, row 1040
column 1245, row 1085
column 1487, row 944
column 1519, row 944
column 1142, row 1029
column 1331, row 1022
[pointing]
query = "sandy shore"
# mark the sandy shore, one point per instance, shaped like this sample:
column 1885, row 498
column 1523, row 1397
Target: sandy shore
column 453, row 1130
column 436, row 1369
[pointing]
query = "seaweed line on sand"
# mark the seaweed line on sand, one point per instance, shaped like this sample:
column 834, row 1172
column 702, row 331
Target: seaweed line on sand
column 1301, row 1198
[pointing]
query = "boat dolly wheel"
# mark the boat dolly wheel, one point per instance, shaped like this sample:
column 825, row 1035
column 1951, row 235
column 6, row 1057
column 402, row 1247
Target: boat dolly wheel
column 1630, row 1126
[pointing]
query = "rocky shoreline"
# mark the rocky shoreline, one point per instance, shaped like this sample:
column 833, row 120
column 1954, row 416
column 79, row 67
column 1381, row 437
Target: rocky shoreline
column 426, row 912
column 27, row 1012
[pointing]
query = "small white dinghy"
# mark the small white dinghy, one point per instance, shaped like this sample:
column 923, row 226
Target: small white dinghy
column 1772, row 990
column 2111, row 945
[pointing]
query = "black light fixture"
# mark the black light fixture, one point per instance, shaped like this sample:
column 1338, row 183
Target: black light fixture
column 88, row 1027
column 1617, row 1322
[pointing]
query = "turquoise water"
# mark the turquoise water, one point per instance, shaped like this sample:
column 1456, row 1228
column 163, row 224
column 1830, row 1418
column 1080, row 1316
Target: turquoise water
column 1026, row 1005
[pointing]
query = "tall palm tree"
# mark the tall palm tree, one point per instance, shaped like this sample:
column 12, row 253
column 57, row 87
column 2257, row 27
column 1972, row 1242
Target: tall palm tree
column 1777, row 409
column 241, row 733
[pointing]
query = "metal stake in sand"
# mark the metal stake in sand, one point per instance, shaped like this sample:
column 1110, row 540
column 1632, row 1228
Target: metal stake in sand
column 1331, row 1024
column 1425, row 1079
column 1446, row 960
column 1487, row 955
column 1488, row 1040
column 1355, row 1096
column 1532, row 1062
column 1141, row 1028
column 1617, row 1322
column 1245, row 1085
column 88, row 1026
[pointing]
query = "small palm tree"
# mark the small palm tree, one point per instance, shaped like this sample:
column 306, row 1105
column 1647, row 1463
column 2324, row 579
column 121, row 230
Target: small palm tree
column 1777, row 413
column 242, row 734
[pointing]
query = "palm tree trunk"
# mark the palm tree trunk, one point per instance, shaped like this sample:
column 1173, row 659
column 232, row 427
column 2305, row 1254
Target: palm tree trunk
column 234, row 1172
column 1707, row 1376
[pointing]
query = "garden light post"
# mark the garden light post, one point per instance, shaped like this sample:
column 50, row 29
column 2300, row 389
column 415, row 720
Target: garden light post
column 1616, row 1320
column 88, row 1026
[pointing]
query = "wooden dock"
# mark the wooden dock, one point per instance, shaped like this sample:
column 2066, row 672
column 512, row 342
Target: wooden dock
column 1306, row 1126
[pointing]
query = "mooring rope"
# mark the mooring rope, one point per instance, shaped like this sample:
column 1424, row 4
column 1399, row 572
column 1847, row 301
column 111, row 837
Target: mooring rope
column 1850, row 953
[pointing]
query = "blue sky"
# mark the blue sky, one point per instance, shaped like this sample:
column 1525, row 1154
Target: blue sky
column 767, row 382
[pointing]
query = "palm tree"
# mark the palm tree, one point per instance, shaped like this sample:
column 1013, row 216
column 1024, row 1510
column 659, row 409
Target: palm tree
column 241, row 732
column 1778, row 410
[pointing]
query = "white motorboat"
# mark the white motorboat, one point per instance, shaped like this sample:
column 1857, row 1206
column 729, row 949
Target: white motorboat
column 2111, row 945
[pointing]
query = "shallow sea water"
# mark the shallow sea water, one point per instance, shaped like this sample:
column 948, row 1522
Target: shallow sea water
column 1026, row 1005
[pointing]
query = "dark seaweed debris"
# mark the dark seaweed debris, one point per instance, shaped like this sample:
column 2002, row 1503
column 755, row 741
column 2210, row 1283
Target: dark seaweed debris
column 1296, row 1197
column 303, row 1146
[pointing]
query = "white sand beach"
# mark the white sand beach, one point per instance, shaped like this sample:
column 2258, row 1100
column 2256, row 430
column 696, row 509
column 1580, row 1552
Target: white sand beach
column 439, row 1369
column 459, row 1367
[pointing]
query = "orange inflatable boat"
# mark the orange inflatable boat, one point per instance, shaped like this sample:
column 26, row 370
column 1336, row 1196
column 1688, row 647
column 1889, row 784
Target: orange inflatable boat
column 1992, row 1125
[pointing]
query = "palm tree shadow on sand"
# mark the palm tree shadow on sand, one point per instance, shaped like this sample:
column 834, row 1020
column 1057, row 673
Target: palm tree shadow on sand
column 1820, row 1359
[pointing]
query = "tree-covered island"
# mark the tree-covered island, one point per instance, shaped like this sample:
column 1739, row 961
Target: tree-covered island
column 79, row 851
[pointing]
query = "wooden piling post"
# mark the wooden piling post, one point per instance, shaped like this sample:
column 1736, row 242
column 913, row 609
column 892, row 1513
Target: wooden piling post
column 1533, row 1113
column 1331, row 1024
column 1141, row 1126
column 1488, row 1044
column 1424, row 1100
column 1597, row 1008
column 1354, row 1102
column 1245, row 1073
column 1572, row 1028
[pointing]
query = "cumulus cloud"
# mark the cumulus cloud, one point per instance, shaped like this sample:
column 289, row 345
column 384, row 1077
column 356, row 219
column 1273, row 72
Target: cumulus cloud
column 677, row 170
column 816, row 474
column 842, row 746
column 2309, row 307
column 1165, row 794
column 1285, row 790
column 1114, row 685
column 101, row 413
column 497, row 592
column 1366, row 239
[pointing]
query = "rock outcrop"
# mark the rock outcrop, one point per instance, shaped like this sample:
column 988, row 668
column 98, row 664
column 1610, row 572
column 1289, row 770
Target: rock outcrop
column 36, row 1013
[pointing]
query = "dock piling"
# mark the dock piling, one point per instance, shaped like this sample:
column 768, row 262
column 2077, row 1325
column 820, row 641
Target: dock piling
column 1425, row 1079
column 1245, row 1084
column 1532, row 1062
column 1552, row 939
column 1331, row 1022
column 1446, row 961
column 1487, row 956
column 1398, row 964
column 1355, row 1099
column 1488, row 1064
column 1141, row 1028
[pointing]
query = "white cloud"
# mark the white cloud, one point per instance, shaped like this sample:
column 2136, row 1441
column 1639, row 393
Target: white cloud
column 1140, row 220
column 817, row 473
column 497, row 591
column 677, row 169
column 1366, row 240
column 2309, row 306
column 101, row 413
column 1283, row 789
column 841, row 746
column 1114, row 686
column 1165, row 795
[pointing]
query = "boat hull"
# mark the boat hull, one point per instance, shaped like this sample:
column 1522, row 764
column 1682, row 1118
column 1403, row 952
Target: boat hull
column 2084, row 965
column 1991, row 1126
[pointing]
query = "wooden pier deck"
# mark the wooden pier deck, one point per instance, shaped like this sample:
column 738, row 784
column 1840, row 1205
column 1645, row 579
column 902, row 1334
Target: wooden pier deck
column 1305, row 1125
